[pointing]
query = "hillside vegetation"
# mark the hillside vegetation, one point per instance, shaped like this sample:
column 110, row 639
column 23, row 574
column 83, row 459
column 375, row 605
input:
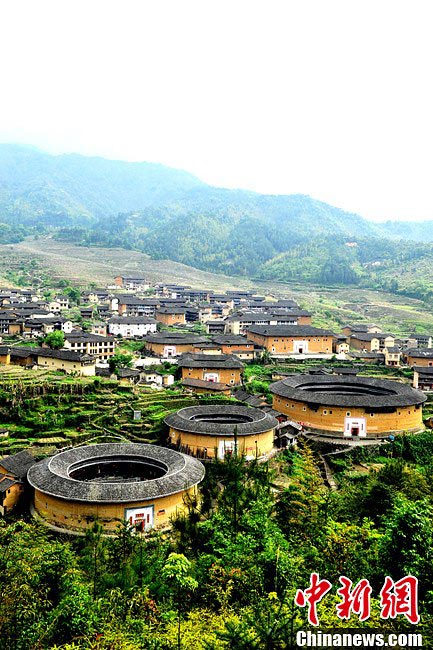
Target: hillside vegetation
column 170, row 214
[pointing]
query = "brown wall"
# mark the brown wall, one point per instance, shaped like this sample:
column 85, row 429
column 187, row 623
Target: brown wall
column 158, row 348
column 14, row 329
column 70, row 367
column 403, row 419
column 73, row 514
column 170, row 319
column 419, row 361
column 284, row 344
column 13, row 497
column 246, row 444
column 244, row 347
column 370, row 346
column 225, row 376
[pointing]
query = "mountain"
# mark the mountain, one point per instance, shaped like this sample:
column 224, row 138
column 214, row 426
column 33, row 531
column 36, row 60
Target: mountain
column 414, row 230
column 38, row 188
column 170, row 214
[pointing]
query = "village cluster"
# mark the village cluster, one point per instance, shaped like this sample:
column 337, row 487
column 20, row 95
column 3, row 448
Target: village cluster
column 206, row 339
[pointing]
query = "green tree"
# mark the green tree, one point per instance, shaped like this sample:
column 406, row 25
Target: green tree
column 120, row 361
column 55, row 340
column 177, row 572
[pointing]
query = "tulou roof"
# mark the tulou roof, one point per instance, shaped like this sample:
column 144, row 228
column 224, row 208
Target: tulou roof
column 175, row 338
column 350, row 391
column 52, row 475
column 221, row 420
column 289, row 330
column 216, row 361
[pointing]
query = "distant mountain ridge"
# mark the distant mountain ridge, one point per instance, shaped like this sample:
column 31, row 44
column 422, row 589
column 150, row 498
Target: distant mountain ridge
column 34, row 184
column 169, row 213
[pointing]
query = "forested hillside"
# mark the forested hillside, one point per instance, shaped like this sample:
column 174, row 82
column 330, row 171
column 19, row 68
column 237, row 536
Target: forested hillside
column 170, row 214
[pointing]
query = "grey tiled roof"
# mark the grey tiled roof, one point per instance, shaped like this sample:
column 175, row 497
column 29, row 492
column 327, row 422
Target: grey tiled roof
column 352, row 391
column 6, row 483
column 18, row 464
column 289, row 330
column 175, row 338
column 247, row 420
column 190, row 382
column 425, row 353
column 51, row 476
column 217, row 361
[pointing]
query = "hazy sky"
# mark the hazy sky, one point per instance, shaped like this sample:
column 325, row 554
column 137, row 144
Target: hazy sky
column 331, row 98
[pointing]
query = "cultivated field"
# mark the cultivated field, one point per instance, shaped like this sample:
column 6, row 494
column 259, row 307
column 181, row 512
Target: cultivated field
column 332, row 306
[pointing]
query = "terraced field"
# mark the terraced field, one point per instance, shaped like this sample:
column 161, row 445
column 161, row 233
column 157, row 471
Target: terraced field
column 50, row 411
column 44, row 261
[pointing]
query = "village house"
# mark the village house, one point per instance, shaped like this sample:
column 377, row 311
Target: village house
column 238, row 296
column 87, row 312
column 418, row 357
column 207, row 347
column 203, row 387
column 289, row 340
column 423, row 378
column 135, row 282
column 193, row 295
column 220, row 310
column 169, row 290
column 237, row 345
column 222, row 299
column 156, row 378
column 172, row 344
column 215, row 326
column 392, row 355
column 13, row 472
column 9, row 323
column 202, row 313
column 340, row 345
column 131, row 326
column 171, row 315
column 34, row 327
column 63, row 301
column 241, row 322
column 224, row 368
column 422, row 340
column 371, row 342
column 129, row 305
column 361, row 328
column 99, row 327
column 70, row 362
column 100, row 347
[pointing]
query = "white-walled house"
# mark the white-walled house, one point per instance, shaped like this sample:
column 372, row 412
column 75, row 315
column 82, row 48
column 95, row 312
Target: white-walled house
column 130, row 326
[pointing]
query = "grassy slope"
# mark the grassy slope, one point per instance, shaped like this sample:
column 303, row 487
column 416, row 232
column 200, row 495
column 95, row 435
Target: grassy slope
column 331, row 306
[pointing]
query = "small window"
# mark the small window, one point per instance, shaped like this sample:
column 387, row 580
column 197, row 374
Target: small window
column 325, row 412
column 348, row 414
column 304, row 408
column 372, row 415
